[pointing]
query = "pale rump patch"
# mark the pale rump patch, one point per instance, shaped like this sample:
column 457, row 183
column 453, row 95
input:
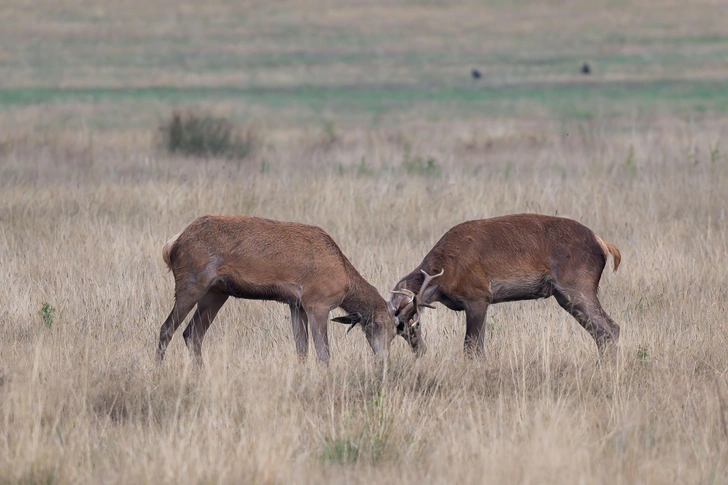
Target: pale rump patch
column 167, row 249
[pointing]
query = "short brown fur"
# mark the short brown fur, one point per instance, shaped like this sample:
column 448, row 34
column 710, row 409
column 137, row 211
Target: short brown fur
column 517, row 257
column 216, row 257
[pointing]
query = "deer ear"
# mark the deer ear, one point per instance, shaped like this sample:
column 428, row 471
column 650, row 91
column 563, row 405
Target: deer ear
column 351, row 319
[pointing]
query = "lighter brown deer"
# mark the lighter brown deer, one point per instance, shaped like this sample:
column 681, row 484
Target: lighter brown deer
column 216, row 257
column 514, row 257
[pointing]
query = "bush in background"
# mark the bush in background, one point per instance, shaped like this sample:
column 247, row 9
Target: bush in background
column 204, row 135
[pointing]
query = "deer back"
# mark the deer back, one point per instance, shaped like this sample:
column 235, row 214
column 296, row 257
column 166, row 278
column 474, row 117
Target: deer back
column 520, row 247
column 251, row 252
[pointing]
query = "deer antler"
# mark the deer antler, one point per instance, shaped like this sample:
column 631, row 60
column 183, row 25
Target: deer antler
column 417, row 301
column 426, row 283
column 409, row 297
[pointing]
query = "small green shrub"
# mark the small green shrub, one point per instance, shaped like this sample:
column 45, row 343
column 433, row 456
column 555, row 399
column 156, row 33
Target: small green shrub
column 329, row 137
column 714, row 154
column 420, row 166
column 629, row 162
column 46, row 313
column 202, row 135
column 642, row 352
column 264, row 166
column 340, row 451
column 428, row 167
column 363, row 170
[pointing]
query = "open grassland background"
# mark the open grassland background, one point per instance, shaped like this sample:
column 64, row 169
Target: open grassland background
column 367, row 125
column 119, row 65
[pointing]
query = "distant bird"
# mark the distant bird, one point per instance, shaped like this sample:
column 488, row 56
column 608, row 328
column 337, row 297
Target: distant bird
column 476, row 74
column 585, row 69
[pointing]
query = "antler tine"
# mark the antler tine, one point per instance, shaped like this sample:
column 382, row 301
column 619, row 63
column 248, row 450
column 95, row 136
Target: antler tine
column 408, row 308
column 425, row 284
column 404, row 292
column 407, row 293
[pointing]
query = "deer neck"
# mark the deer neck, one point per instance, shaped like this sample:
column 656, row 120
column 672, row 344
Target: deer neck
column 363, row 298
column 413, row 281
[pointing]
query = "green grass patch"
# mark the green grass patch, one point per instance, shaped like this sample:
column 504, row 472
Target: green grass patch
column 574, row 100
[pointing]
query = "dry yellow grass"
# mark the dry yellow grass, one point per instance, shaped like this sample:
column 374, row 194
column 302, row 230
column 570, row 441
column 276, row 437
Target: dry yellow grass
column 86, row 204
column 82, row 225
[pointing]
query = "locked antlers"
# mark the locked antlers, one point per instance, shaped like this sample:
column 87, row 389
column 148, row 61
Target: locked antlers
column 411, row 310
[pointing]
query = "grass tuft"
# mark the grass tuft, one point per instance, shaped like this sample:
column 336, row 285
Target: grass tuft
column 340, row 450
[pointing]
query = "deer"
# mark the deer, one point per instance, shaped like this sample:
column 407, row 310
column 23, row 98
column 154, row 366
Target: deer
column 508, row 258
column 219, row 256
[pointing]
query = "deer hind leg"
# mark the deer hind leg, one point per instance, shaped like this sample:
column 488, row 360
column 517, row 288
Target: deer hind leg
column 186, row 295
column 587, row 310
column 184, row 302
column 299, row 319
column 475, row 329
column 207, row 309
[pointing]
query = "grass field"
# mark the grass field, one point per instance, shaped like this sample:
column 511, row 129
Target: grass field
column 368, row 124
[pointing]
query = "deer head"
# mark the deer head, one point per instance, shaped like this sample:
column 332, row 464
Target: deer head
column 378, row 328
column 405, row 306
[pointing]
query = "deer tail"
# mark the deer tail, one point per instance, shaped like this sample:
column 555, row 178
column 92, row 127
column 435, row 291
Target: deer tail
column 608, row 249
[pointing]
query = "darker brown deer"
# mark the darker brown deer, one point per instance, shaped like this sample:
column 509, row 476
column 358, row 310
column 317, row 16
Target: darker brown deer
column 217, row 257
column 514, row 257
